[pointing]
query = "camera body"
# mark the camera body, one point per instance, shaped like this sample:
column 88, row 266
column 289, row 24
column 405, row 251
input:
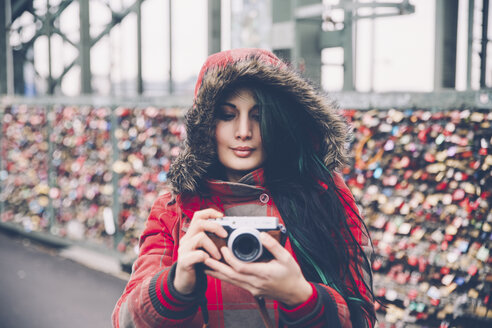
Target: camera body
column 243, row 236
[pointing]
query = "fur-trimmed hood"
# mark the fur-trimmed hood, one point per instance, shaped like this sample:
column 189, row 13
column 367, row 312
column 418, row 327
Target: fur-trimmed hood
column 219, row 71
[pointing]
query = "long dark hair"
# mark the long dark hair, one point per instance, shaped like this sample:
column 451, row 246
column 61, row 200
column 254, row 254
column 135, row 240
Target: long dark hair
column 309, row 201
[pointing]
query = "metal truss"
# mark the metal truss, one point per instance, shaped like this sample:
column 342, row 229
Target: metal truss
column 47, row 24
column 304, row 20
column 436, row 101
column 324, row 10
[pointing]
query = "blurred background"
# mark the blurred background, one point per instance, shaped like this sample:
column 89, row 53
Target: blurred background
column 92, row 99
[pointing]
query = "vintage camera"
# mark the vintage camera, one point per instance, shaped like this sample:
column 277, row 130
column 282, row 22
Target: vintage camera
column 244, row 236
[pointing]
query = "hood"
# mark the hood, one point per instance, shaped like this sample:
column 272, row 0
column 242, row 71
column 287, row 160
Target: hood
column 219, row 71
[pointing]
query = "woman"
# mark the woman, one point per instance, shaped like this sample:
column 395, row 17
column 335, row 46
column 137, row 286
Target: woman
column 261, row 141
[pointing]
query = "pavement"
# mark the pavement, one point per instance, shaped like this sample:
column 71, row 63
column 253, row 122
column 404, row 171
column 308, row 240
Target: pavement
column 94, row 257
column 95, row 260
column 45, row 285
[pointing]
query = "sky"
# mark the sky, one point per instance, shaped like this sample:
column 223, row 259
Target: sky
column 403, row 51
column 392, row 54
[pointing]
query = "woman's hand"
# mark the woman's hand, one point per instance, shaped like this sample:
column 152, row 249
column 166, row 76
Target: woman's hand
column 280, row 279
column 195, row 247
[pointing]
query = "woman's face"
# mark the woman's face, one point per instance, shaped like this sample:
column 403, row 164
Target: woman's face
column 237, row 133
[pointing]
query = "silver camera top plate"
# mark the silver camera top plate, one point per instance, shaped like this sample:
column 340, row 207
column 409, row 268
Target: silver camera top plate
column 257, row 222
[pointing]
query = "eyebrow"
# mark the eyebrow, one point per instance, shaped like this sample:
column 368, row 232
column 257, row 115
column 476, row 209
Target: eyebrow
column 225, row 103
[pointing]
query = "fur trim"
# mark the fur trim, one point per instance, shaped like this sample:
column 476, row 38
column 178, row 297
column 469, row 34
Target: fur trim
column 222, row 69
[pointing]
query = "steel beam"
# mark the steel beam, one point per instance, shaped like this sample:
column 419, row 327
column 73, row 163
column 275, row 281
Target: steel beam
column 440, row 100
column 19, row 6
column 52, row 174
column 283, row 29
column 2, row 199
column 171, row 82
column 332, row 39
column 48, row 24
column 117, row 18
column 303, row 20
column 85, row 48
column 317, row 10
column 446, row 44
column 484, row 43
column 448, row 99
column 307, row 50
column 53, row 28
column 6, row 56
column 348, row 54
column 469, row 57
column 3, row 45
column 115, row 177
column 297, row 40
column 214, row 26
column 139, row 48
column 40, row 30
column 57, row 81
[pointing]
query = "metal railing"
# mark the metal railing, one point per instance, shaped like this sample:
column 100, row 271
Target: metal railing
column 87, row 170
column 74, row 167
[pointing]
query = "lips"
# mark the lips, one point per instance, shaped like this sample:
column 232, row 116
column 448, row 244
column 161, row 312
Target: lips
column 242, row 151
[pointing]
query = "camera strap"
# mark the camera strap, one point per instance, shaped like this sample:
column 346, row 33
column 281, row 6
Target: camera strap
column 263, row 311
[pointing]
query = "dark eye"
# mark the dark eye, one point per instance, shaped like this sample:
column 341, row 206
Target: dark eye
column 255, row 114
column 225, row 115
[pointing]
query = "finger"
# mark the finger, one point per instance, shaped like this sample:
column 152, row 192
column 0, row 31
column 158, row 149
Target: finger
column 221, row 276
column 189, row 260
column 230, row 258
column 246, row 268
column 233, row 279
column 208, row 213
column 275, row 248
column 239, row 283
column 228, row 271
column 200, row 223
column 204, row 225
column 218, row 266
column 201, row 241
column 214, row 227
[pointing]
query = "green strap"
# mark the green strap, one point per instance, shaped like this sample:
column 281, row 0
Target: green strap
column 320, row 162
column 326, row 280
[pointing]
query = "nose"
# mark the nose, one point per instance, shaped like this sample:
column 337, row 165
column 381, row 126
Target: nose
column 244, row 128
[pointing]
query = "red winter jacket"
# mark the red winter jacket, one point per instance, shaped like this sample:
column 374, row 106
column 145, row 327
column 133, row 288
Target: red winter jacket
column 149, row 299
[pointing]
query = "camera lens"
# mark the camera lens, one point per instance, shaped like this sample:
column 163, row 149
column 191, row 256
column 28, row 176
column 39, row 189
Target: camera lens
column 246, row 247
column 244, row 242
